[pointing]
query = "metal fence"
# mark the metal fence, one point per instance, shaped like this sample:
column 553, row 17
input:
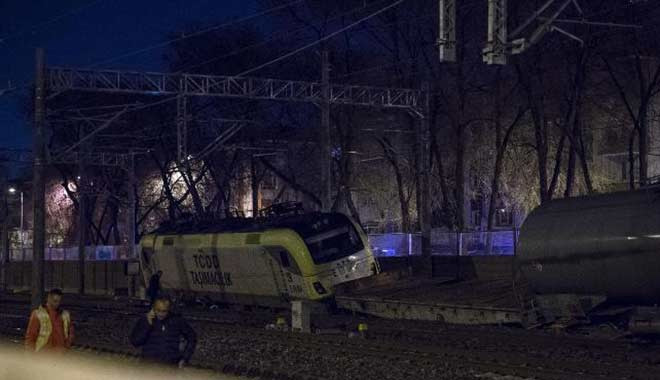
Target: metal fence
column 92, row 253
column 101, row 277
column 479, row 243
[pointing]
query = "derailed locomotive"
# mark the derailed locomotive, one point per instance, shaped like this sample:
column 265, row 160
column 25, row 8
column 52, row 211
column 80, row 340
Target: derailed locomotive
column 267, row 260
column 595, row 255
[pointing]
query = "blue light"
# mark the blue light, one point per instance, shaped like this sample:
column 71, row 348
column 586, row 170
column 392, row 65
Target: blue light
column 384, row 252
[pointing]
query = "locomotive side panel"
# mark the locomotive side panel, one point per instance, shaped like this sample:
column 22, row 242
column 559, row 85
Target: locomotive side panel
column 146, row 251
column 253, row 275
column 223, row 266
column 218, row 266
column 288, row 278
column 206, row 271
column 292, row 259
column 167, row 257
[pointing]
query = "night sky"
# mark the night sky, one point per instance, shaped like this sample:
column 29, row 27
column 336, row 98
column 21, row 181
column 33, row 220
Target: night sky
column 83, row 33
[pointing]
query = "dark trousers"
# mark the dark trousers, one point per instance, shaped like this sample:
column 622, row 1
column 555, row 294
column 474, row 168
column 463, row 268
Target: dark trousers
column 162, row 363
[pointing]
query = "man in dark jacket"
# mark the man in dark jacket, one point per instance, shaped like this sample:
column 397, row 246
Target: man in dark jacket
column 159, row 334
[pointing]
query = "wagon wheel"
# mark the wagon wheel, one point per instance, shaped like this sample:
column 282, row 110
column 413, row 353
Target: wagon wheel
column 525, row 300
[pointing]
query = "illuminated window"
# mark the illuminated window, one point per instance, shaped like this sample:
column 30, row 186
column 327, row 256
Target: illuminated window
column 503, row 217
column 266, row 202
column 476, row 210
column 269, row 181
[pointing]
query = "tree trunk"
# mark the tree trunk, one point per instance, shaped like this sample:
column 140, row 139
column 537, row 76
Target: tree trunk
column 557, row 170
column 114, row 223
column 585, row 164
column 570, row 170
column 643, row 143
column 631, row 159
column 435, row 148
column 222, row 182
column 291, row 182
column 495, row 189
column 405, row 208
column 541, row 135
column 536, row 104
column 254, row 185
column 459, row 173
column 577, row 143
column 390, row 155
column 351, row 207
column 191, row 182
column 172, row 204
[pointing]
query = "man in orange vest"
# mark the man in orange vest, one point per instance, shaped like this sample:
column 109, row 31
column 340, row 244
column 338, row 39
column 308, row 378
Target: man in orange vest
column 50, row 328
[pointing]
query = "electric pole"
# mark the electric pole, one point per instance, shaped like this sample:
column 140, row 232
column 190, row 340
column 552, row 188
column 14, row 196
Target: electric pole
column 182, row 127
column 4, row 239
column 326, row 161
column 495, row 52
column 131, row 220
column 38, row 181
column 423, row 172
column 447, row 30
column 82, row 220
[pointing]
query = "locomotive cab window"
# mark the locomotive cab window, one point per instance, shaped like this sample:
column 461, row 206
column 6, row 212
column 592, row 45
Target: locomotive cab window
column 284, row 259
column 146, row 255
column 335, row 243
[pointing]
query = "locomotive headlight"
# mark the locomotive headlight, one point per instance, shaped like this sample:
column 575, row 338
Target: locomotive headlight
column 353, row 263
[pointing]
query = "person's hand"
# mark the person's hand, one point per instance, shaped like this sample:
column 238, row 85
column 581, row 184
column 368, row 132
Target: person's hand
column 150, row 316
column 182, row 363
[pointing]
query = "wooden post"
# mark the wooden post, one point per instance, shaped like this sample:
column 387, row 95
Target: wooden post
column 38, row 181
column 423, row 166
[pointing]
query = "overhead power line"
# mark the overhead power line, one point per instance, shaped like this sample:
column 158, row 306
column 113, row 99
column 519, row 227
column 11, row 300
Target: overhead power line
column 270, row 39
column 27, row 84
column 287, row 55
column 322, row 39
column 273, row 37
column 197, row 33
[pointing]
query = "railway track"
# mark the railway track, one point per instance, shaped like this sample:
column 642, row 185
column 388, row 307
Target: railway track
column 524, row 342
column 491, row 360
column 422, row 349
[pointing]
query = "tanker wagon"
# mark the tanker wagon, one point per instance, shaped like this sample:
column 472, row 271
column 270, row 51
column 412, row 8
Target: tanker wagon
column 594, row 257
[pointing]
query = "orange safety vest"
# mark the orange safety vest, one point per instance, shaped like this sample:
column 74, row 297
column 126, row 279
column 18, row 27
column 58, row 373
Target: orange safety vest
column 46, row 327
